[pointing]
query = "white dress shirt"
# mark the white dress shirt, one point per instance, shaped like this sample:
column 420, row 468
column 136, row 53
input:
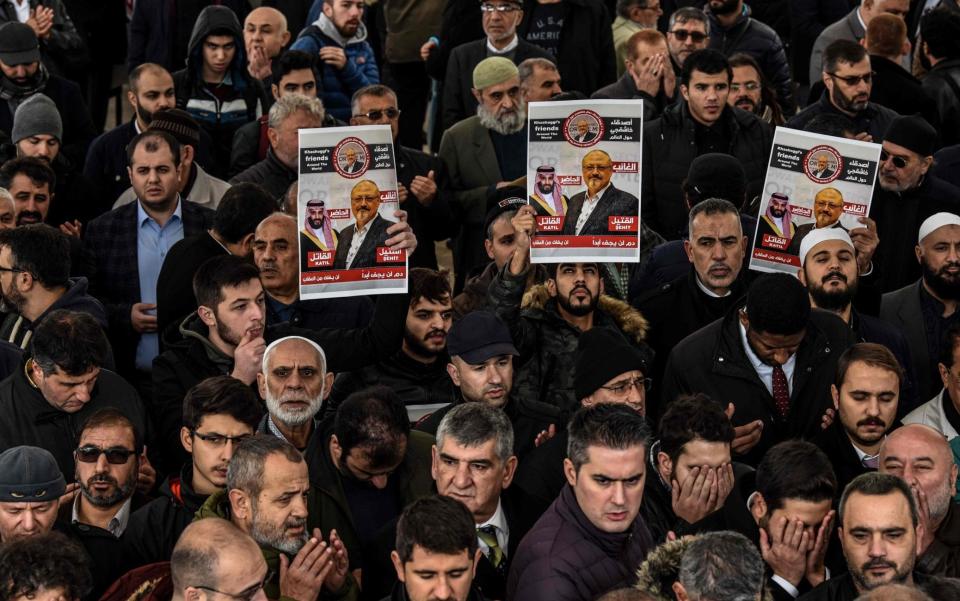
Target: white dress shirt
column 589, row 204
column 358, row 236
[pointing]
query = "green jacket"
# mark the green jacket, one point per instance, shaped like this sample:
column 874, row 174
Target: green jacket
column 218, row 505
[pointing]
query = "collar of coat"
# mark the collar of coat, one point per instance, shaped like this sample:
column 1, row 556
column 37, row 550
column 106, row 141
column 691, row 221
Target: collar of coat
column 628, row 319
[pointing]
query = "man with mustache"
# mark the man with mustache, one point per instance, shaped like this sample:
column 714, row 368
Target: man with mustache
column 827, row 210
column 590, row 211
column 926, row 309
column 418, row 371
column 218, row 413
column 358, row 242
column 646, row 73
column 31, row 182
column 749, row 90
column 268, row 495
column 865, row 396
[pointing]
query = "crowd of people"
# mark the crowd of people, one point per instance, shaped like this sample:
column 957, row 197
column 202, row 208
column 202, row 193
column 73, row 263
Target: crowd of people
column 176, row 422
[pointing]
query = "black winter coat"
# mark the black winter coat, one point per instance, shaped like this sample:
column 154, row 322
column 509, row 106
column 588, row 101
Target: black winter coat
column 942, row 84
column 713, row 361
column 272, row 175
column 873, row 120
column 432, row 223
column 836, row 445
column 669, row 146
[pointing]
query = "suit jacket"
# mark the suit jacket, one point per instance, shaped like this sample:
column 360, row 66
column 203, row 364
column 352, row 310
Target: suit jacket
column 847, row 28
column 825, row 173
column 354, row 167
column 367, row 253
column 901, row 309
column 112, row 240
column 614, row 202
column 836, row 445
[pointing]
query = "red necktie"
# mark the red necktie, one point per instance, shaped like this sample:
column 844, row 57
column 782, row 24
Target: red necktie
column 781, row 392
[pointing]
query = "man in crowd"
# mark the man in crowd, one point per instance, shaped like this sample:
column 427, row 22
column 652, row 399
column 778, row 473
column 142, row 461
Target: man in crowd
column 418, row 372
column 872, row 507
column 865, row 397
column 749, row 90
column 648, row 75
column 129, row 244
column 22, row 75
column 926, row 309
column 592, row 537
column 772, row 359
column 216, row 60
column 545, row 332
column 702, row 123
column 732, row 30
column 294, row 382
column 908, row 193
column 195, row 184
column 791, row 507
column 278, row 170
column 218, row 413
column 275, row 255
column 500, row 21
column 539, row 79
column 31, row 485
column 920, row 456
column 265, row 36
column 437, row 553
column 49, row 564
column 940, row 412
column 940, row 53
column 339, row 38
column 688, row 30
column 632, row 16
column 847, row 75
column 590, row 211
column 294, row 72
column 266, row 496
column 484, row 153
column 231, row 233
column 60, row 386
column 423, row 185
column 150, row 90
column 720, row 565
column 214, row 554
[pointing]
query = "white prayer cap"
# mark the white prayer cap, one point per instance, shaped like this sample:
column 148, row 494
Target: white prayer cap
column 816, row 236
column 269, row 350
column 935, row 222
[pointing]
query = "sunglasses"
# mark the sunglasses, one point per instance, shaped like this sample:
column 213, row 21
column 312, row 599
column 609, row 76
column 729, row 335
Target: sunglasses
column 852, row 80
column 115, row 455
column 683, row 34
column 391, row 113
column 898, row 162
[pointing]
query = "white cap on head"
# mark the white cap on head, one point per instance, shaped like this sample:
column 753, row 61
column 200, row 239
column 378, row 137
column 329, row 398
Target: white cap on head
column 816, row 236
column 935, row 222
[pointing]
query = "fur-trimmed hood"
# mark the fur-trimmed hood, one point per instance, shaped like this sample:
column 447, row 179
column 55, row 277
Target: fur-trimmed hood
column 628, row 319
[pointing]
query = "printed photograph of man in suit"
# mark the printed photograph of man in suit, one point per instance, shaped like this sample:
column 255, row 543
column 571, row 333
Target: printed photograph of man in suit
column 548, row 198
column 588, row 211
column 354, row 162
column 777, row 220
column 358, row 242
column 823, row 169
column 827, row 209
column 317, row 234
column 584, row 134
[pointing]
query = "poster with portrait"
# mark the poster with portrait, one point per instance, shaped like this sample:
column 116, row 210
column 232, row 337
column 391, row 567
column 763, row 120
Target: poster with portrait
column 346, row 201
column 583, row 179
column 813, row 181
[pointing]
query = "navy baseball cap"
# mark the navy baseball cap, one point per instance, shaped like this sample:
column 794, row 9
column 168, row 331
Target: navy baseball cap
column 478, row 336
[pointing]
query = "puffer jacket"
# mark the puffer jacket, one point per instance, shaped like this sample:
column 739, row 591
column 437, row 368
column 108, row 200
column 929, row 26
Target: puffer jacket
column 669, row 146
column 17, row 329
column 565, row 557
column 543, row 384
column 340, row 84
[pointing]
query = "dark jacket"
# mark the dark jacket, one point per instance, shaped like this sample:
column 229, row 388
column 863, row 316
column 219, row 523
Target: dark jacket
column 106, row 162
column 713, row 361
column 64, row 47
column 868, row 328
column 841, row 588
column 458, row 100
column 270, row 174
column 153, row 530
column 873, row 120
column 399, row 593
column 586, row 58
column 942, row 556
column 366, row 256
column 112, row 240
column 539, row 477
column 175, row 299
column 321, row 313
column 474, row 295
column 626, row 89
column 897, row 89
column 942, row 84
column 946, row 164
column 17, row 329
column 902, row 310
column 339, row 85
column 753, row 37
column 543, row 382
column 565, row 557
column 75, row 197
column 433, row 223
column 808, row 19
column 836, row 445
column 159, row 30
column 614, row 202
column 669, row 145
column 223, row 113
column 28, row 419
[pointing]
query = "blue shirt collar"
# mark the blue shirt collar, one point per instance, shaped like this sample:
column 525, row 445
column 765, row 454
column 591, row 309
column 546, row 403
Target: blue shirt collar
column 142, row 216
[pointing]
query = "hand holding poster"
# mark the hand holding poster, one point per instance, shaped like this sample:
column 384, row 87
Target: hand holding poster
column 583, row 179
column 346, row 202
column 813, row 181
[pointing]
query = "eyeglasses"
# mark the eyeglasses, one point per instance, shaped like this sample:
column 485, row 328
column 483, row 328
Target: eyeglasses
column 115, row 455
column 219, row 440
column 391, row 113
column 246, row 595
column 750, row 86
column 12, row 269
column 624, row 387
column 683, row 34
column 498, row 8
column 898, row 162
column 852, row 80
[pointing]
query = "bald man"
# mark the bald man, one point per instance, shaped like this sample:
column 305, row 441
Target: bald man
column 358, row 242
column 589, row 212
column 214, row 555
column 921, row 457
column 265, row 35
